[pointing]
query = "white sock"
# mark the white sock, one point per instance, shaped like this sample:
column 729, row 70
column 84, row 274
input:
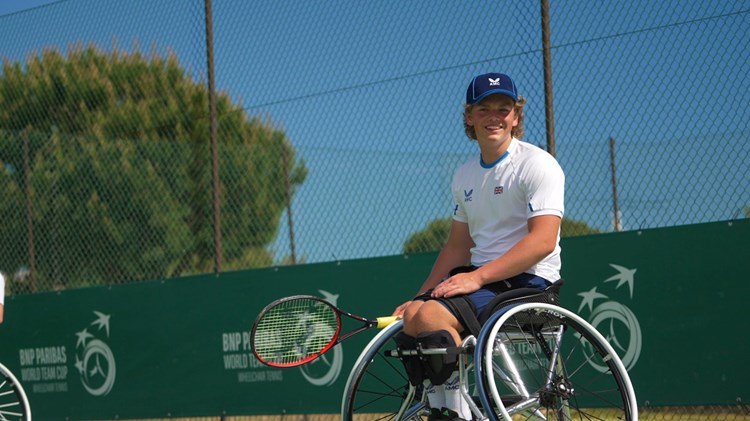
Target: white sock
column 453, row 398
column 435, row 395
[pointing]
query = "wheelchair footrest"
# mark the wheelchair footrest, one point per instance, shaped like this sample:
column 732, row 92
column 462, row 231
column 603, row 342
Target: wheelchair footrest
column 433, row 351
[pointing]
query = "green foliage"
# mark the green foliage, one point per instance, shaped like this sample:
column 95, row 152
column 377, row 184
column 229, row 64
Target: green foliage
column 435, row 235
column 431, row 238
column 120, row 170
column 573, row 228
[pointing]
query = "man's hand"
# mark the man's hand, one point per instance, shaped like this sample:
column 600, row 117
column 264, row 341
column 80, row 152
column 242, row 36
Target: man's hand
column 459, row 284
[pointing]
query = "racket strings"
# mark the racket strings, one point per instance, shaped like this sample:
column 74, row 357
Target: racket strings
column 294, row 331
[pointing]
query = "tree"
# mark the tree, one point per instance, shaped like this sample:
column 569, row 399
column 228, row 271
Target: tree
column 435, row 235
column 120, row 169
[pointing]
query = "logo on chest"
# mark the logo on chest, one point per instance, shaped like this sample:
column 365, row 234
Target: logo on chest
column 468, row 194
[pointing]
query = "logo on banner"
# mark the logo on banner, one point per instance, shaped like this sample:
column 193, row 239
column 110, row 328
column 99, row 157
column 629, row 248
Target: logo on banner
column 324, row 370
column 614, row 320
column 94, row 359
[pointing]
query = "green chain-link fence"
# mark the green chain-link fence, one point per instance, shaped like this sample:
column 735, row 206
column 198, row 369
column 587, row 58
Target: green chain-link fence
column 338, row 126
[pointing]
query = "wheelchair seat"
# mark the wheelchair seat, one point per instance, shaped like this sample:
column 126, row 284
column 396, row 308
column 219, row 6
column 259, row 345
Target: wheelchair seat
column 474, row 323
column 549, row 295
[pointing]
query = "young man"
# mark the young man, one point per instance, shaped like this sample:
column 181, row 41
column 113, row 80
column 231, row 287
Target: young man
column 508, row 206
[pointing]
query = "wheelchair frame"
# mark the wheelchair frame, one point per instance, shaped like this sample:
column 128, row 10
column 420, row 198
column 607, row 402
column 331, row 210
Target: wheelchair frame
column 529, row 361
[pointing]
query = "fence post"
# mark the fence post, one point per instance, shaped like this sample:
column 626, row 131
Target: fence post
column 29, row 208
column 214, row 141
column 547, row 60
column 616, row 222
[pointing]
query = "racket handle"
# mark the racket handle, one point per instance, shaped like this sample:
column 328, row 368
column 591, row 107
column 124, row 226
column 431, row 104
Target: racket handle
column 385, row 321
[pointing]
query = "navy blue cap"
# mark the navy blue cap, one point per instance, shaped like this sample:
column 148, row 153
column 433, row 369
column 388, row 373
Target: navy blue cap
column 488, row 84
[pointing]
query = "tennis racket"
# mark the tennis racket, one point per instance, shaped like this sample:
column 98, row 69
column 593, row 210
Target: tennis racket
column 295, row 330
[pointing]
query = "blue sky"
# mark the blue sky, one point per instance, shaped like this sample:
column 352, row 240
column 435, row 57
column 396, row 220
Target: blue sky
column 12, row 6
column 631, row 70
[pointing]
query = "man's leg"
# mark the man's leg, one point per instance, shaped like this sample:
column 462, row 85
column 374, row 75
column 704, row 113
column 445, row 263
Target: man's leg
column 434, row 326
column 430, row 316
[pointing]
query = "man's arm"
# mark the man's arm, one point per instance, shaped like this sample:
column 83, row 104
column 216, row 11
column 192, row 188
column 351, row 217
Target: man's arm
column 456, row 252
column 535, row 246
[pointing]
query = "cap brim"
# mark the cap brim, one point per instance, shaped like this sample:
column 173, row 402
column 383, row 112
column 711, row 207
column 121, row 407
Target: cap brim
column 496, row 91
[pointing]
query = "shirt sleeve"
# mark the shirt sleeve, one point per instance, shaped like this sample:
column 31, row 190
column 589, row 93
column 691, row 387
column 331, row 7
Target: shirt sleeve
column 545, row 187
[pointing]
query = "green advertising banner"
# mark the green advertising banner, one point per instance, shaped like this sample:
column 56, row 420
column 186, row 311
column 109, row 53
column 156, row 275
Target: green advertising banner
column 181, row 347
column 668, row 300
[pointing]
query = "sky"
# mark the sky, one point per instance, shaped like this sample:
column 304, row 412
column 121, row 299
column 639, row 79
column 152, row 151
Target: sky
column 638, row 96
column 13, row 6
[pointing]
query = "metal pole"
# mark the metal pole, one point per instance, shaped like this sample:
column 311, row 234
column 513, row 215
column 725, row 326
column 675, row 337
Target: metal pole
column 214, row 140
column 615, row 206
column 29, row 217
column 547, row 60
column 288, row 190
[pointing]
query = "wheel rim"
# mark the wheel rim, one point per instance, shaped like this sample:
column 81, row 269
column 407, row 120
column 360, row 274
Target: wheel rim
column 377, row 386
column 575, row 389
column 14, row 406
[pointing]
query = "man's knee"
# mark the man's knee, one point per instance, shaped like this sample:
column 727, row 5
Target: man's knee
column 430, row 316
column 430, row 311
column 411, row 310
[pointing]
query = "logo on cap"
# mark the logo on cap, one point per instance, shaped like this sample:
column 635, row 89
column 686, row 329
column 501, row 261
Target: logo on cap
column 487, row 84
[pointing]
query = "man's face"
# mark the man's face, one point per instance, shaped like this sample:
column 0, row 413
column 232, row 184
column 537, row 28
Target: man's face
column 493, row 118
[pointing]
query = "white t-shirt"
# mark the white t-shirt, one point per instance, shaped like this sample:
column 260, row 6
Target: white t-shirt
column 2, row 289
column 497, row 200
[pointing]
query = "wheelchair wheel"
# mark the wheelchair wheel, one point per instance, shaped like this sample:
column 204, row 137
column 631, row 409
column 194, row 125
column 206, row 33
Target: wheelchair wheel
column 14, row 406
column 377, row 388
column 542, row 362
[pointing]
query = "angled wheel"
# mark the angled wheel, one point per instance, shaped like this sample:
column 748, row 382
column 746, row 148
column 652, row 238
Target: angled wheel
column 377, row 388
column 543, row 362
column 14, row 406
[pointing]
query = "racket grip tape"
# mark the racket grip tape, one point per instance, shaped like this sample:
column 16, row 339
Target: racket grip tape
column 385, row 321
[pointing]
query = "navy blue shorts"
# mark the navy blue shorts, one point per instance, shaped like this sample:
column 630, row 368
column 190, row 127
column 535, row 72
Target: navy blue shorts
column 484, row 295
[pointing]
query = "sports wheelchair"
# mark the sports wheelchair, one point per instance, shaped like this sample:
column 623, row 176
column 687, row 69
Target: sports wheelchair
column 531, row 360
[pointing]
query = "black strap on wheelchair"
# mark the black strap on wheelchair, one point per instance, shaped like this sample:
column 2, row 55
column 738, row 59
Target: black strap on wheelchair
column 466, row 312
column 462, row 307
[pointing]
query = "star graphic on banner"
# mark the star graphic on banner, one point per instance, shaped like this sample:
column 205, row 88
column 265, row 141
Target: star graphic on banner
column 82, row 336
column 102, row 321
column 624, row 276
column 589, row 297
column 327, row 296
